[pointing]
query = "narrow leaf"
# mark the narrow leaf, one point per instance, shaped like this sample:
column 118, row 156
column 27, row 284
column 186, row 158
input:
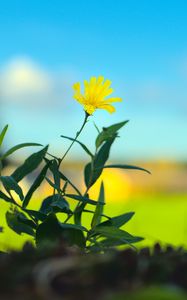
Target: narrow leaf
column 81, row 144
column 109, row 242
column 99, row 207
column 108, row 132
column 52, row 184
column 2, row 134
column 23, row 219
column 128, row 167
column 16, row 225
column 10, row 184
column 70, row 183
column 35, row 185
column 73, row 226
column 118, row 221
column 30, row 164
column 81, row 198
column 93, row 170
column 17, row 147
column 115, row 233
column 38, row 215
column 5, row 197
column 54, row 169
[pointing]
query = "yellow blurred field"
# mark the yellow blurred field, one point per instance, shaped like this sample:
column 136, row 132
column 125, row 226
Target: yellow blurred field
column 158, row 200
column 159, row 218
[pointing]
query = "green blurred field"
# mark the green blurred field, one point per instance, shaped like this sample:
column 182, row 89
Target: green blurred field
column 158, row 218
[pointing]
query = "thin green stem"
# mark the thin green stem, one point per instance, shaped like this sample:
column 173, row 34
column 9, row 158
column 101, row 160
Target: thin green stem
column 76, row 137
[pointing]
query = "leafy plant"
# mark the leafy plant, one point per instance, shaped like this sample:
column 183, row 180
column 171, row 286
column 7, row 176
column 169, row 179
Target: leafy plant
column 45, row 224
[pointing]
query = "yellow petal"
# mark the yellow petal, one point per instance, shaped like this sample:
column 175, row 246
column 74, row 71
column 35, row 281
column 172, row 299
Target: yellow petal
column 77, row 87
column 106, row 84
column 107, row 92
column 89, row 109
column 100, row 80
column 93, row 81
column 114, row 99
column 107, row 107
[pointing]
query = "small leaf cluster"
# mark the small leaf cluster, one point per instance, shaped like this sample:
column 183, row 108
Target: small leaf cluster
column 44, row 224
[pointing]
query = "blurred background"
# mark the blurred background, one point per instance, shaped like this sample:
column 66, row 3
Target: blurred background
column 141, row 46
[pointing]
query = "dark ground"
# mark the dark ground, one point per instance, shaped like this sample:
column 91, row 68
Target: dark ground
column 67, row 273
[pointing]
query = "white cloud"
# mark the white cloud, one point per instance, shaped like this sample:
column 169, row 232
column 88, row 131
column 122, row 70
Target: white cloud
column 21, row 78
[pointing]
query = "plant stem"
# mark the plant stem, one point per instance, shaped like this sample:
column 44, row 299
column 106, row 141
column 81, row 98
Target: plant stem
column 61, row 159
column 76, row 137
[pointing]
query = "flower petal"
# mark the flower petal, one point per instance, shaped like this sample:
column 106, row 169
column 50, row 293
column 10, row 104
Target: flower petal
column 89, row 108
column 77, row 87
column 108, row 107
column 114, row 99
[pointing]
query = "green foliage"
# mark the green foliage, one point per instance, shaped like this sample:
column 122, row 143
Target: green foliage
column 99, row 207
column 19, row 223
column 2, row 134
column 10, row 184
column 108, row 133
column 45, row 224
column 52, row 231
column 17, row 147
column 29, row 165
column 153, row 293
column 37, row 182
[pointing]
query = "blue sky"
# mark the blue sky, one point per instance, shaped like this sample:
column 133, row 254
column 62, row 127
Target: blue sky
column 140, row 45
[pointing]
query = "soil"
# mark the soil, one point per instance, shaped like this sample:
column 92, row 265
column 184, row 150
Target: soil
column 67, row 273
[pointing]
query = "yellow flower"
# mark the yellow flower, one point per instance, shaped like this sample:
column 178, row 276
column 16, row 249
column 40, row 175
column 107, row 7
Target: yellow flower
column 95, row 93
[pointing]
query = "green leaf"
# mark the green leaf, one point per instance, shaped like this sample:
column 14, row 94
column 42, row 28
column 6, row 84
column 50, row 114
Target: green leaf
column 59, row 204
column 17, row 147
column 23, row 219
column 118, row 221
column 81, row 144
column 48, row 231
column 82, row 199
column 57, row 176
column 46, row 205
column 53, row 184
column 93, row 170
column 39, row 216
column 37, row 182
column 109, row 242
column 5, row 197
column 108, row 132
column 119, row 166
column 52, row 231
column 74, row 237
column 115, row 233
column 16, row 225
column 30, row 164
column 99, row 207
column 55, row 203
column 10, row 184
column 54, row 169
column 2, row 134
column 73, row 226
column 78, row 212
column 63, row 177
